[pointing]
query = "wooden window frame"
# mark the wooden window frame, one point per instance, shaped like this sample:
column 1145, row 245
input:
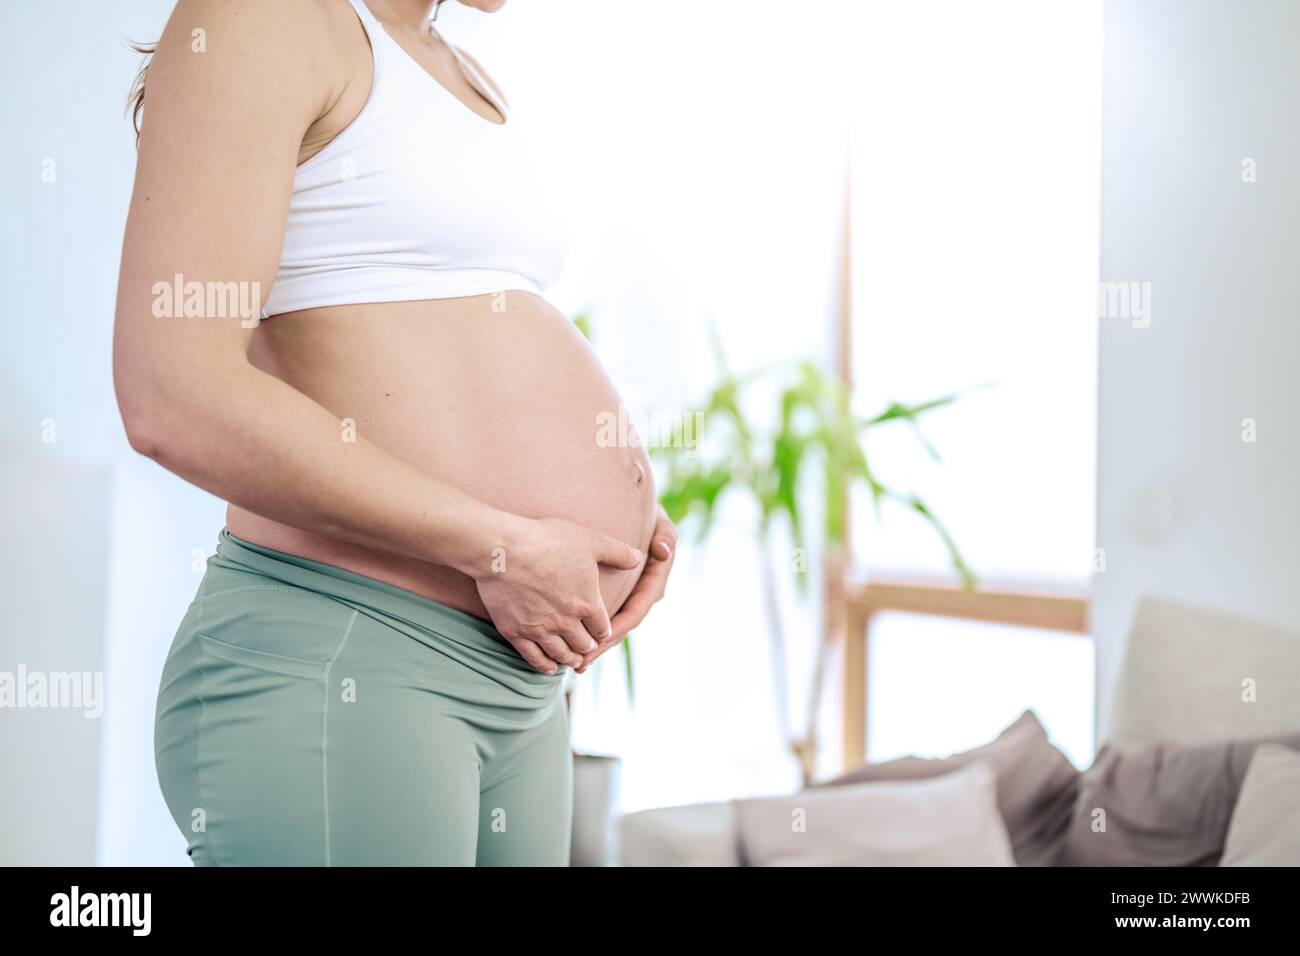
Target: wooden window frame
column 1063, row 611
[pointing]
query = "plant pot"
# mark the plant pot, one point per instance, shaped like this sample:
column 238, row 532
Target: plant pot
column 595, row 801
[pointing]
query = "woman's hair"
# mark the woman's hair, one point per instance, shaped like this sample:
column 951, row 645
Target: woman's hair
column 135, row 98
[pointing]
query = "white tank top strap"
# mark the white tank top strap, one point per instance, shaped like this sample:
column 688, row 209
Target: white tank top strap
column 375, row 33
column 380, row 39
column 364, row 13
column 475, row 77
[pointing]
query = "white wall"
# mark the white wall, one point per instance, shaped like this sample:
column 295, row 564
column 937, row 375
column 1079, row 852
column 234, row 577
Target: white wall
column 53, row 546
column 65, row 176
column 1185, row 507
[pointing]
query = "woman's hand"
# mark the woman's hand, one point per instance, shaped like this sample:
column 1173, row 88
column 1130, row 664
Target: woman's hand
column 649, row 589
column 542, row 589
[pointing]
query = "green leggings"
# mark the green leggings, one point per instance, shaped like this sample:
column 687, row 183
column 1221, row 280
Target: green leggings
column 309, row 716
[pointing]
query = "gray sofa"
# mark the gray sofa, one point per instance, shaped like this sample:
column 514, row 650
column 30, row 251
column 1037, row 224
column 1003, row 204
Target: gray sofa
column 1181, row 713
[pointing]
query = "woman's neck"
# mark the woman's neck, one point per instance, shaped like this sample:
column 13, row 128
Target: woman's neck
column 409, row 13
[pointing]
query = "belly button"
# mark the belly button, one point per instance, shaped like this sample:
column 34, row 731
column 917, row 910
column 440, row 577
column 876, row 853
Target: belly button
column 638, row 472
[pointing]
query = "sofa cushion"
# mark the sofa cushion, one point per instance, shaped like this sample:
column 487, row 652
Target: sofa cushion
column 703, row 834
column 1186, row 670
column 1166, row 805
column 1036, row 785
column 1265, row 825
column 951, row 820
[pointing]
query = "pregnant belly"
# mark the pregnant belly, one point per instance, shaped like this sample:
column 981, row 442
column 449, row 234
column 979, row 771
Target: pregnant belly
column 498, row 395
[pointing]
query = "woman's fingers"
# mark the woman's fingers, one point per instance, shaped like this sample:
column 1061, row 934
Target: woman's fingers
column 664, row 541
column 533, row 654
column 576, row 637
column 596, row 622
column 632, row 613
column 649, row 589
column 614, row 553
column 558, row 650
column 589, row 659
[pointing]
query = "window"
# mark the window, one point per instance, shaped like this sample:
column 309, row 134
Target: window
column 975, row 188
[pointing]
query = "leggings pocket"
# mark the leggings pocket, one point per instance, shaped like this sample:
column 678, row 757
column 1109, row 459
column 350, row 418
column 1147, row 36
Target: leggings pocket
column 261, row 660
column 281, row 628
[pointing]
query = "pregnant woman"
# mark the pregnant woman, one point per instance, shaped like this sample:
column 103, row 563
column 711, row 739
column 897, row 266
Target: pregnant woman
column 329, row 315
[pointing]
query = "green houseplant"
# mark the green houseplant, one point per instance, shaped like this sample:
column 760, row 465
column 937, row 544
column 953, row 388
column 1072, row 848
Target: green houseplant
column 813, row 444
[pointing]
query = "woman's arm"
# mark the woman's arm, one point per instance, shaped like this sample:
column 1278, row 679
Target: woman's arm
column 224, row 119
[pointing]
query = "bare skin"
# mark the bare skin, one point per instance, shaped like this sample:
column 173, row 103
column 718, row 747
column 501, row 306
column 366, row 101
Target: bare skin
column 475, row 477
column 501, row 405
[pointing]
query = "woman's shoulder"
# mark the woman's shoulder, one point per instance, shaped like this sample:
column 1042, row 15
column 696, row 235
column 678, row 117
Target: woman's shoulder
column 298, row 32
column 302, row 49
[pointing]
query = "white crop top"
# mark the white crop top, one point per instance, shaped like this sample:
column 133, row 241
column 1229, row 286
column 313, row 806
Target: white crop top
column 418, row 197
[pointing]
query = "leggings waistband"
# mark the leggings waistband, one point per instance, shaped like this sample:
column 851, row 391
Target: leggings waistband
column 425, row 620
